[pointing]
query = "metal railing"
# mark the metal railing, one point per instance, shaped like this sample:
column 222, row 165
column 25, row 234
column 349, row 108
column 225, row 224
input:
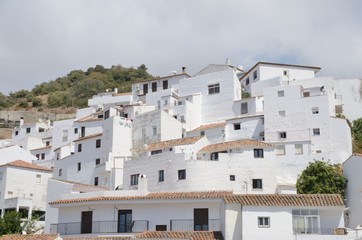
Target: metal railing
column 189, row 225
column 98, row 227
column 320, row 231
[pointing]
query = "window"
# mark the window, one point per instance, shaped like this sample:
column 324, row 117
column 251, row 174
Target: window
column 43, row 156
column 154, row 152
column 58, row 156
column 154, row 86
column 79, row 147
column 96, row 181
column 41, row 129
column 232, row 177
column 165, row 84
column 65, row 135
column 134, row 179
column 75, row 130
column 285, row 72
column 262, row 121
column 247, row 81
column 79, row 166
column 161, row 175
column 214, row 156
column 182, row 119
column 182, row 174
column 263, row 222
column 318, row 151
column 282, row 135
column 258, row 153
column 305, row 221
column 237, row 126
column 47, row 143
column 82, row 133
column 37, row 156
column 214, row 88
column 257, row 184
column 145, row 88
column 316, row 132
column 98, row 143
column 244, row 108
column 315, row 110
column 298, row 149
column 10, row 193
column 280, row 150
column 338, row 109
column 306, row 94
column 28, row 130
column 202, row 133
column 38, row 178
column 154, row 130
column 98, row 161
column 60, row 172
column 280, row 93
column 281, row 113
column 255, row 74
column 106, row 114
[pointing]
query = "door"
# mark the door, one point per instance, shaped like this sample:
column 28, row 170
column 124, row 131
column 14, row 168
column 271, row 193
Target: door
column 125, row 223
column 86, row 223
column 201, row 219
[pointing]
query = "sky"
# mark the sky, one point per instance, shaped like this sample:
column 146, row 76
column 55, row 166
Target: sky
column 41, row 40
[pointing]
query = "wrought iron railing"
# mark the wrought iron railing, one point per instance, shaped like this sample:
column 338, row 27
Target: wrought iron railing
column 98, row 227
column 190, row 225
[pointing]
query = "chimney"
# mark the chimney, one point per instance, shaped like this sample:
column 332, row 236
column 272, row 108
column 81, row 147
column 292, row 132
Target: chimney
column 116, row 90
column 184, row 69
column 21, row 121
column 142, row 184
column 227, row 61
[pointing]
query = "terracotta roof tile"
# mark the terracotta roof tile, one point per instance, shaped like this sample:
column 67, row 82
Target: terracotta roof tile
column 195, row 235
column 171, row 143
column 243, row 143
column 357, row 154
column 209, row 126
column 30, row 237
column 98, row 238
column 302, row 200
column 23, row 164
column 155, row 195
column 88, row 137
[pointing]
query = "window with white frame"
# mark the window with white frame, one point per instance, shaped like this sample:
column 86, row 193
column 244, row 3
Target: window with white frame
column 247, row 81
column 306, row 221
column 316, row 131
column 257, row 184
column 280, row 150
column 65, row 135
column 182, row 174
column 244, row 108
column 60, row 172
column 281, row 113
column 161, row 175
column 298, row 149
column 237, row 126
column 281, row 93
column 214, row 88
column 282, row 135
column 263, row 222
column 134, row 179
column 38, row 178
column 232, row 177
column 315, row 110
column 154, row 130
column 258, row 153
column 255, row 74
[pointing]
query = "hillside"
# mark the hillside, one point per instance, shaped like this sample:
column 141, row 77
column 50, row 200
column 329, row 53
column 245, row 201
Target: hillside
column 72, row 91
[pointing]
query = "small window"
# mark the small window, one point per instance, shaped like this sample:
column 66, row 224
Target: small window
column 98, row 143
column 182, row 119
column 255, row 74
column 65, row 135
column 161, row 175
column 43, row 156
column 58, row 156
column 145, row 88
column 214, row 156
column 75, row 130
column 28, row 130
column 202, row 133
column 107, row 114
column 154, row 130
column 41, row 129
column 298, row 149
column 79, row 147
column 285, row 72
column 258, row 153
column 257, row 184
column 154, row 86
column 263, row 222
column 338, row 109
column 37, row 156
column 38, row 178
column 244, row 108
column 165, row 84
column 281, row 113
column 96, row 181
column 237, row 126
column 47, row 143
column 247, row 81
column 10, row 193
column 79, row 166
column 316, row 132
column 182, row 174
column 60, row 172
column 98, row 161
column 232, row 177
column 16, row 133
column 315, row 110
column 282, row 135
column 306, row 94
column 134, row 179
column 154, row 152
column 214, row 88
column 280, row 150
column 318, row 151
column 280, row 93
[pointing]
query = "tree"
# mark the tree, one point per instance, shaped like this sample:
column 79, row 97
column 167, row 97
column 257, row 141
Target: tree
column 322, row 177
column 357, row 129
column 10, row 223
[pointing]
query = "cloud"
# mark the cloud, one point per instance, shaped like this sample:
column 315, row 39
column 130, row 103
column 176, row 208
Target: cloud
column 41, row 40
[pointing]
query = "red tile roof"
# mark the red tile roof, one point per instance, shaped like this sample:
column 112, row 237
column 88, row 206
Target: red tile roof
column 195, row 235
column 209, row 126
column 302, row 200
column 357, row 154
column 98, row 238
column 154, row 195
column 23, row 164
column 88, row 137
column 243, row 143
column 171, row 143
column 30, row 237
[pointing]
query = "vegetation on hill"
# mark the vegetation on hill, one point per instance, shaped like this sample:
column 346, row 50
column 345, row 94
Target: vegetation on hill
column 74, row 89
column 322, row 177
column 357, row 135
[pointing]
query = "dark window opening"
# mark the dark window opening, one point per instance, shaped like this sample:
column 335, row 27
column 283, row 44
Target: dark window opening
column 182, row 174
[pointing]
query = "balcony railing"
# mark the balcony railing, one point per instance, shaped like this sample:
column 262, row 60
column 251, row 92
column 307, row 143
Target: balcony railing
column 190, row 225
column 320, row 231
column 98, row 227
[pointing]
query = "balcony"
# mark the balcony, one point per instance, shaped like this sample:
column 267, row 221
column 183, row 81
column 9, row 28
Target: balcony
column 99, row 227
column 190, row 225
column 320, row 233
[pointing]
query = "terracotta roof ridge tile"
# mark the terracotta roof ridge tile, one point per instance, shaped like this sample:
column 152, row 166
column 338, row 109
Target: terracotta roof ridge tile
column 23, row 164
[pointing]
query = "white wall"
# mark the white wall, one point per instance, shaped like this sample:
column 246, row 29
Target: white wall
column 233, row 222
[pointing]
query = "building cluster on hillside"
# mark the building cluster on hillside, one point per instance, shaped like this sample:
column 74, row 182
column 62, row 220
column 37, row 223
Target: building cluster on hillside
column 219, row 152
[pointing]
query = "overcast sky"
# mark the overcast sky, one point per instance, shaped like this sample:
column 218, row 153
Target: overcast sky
column 43, row 40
